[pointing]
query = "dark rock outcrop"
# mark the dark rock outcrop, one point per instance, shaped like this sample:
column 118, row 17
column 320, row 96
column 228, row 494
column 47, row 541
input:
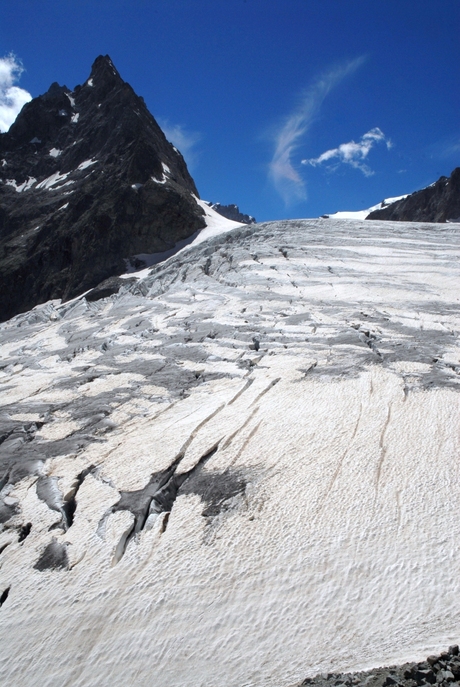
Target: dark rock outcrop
column 439, row 202
column 442, row 669
column 233, row 212
column 87, row 179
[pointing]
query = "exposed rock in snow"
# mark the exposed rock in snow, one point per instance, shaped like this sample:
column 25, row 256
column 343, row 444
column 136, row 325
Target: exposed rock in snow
column 102, row 147
column 233, row 212
column 241, row 469
column 442, row 669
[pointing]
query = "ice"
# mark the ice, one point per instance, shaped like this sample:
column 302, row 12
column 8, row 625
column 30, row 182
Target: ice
column 318, row 528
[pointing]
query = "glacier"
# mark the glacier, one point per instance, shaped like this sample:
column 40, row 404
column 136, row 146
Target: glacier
column 240, row 470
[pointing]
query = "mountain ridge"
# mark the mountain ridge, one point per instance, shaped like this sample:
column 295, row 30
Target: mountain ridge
column 438, row 202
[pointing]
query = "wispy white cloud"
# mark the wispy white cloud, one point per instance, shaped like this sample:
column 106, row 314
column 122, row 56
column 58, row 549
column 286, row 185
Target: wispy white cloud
column 282, row 172
column 352, row 153
column 448, row 148
column 12, row 98
column 185, row 141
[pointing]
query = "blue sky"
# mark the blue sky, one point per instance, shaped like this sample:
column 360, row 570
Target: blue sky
column 288, row 109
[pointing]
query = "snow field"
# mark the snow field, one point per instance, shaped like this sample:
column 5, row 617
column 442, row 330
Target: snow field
column 321, row 535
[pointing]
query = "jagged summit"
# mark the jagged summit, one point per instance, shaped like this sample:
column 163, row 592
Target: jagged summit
column 104, row 69
column 87, row 179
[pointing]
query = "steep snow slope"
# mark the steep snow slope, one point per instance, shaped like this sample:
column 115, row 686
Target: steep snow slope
column 242, row 469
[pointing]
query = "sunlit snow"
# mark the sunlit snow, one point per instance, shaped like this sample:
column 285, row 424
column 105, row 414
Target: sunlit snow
column 85, row 164
column 307, row 373
column 362, row 214
column 30, row 181
column 56, row 179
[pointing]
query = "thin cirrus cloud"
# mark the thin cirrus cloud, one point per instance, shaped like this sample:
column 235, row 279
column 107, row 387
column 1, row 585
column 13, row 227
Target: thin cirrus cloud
column 446, row 148
column 354, row 154
column 282, row 173
column 12, row 98
column 185, row 141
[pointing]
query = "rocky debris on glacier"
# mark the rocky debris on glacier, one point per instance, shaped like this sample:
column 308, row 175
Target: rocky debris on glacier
column 87, row 180
column 442, row 669
column 240, row 468
column 233, row 212
column 439, row 202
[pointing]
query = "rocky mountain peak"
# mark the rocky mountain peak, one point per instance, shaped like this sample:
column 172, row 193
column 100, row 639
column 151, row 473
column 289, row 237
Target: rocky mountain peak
column 439, row 202
column 55, row 90
column 104, row 77
column 87, row 179
column 104, row 69
column 233, row 212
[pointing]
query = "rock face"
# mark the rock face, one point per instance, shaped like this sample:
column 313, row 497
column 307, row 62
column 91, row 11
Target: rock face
column 233, row 212
column 439, row 202
column 87, row 179
column 239, row 469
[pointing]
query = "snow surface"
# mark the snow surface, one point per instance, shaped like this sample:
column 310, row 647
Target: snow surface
column 75, row 117
column 53, row 180
column 321, row 535
column 55, row 152
column 216, row 224
column 362, row 214
column 86, row 164
column 30, row 181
